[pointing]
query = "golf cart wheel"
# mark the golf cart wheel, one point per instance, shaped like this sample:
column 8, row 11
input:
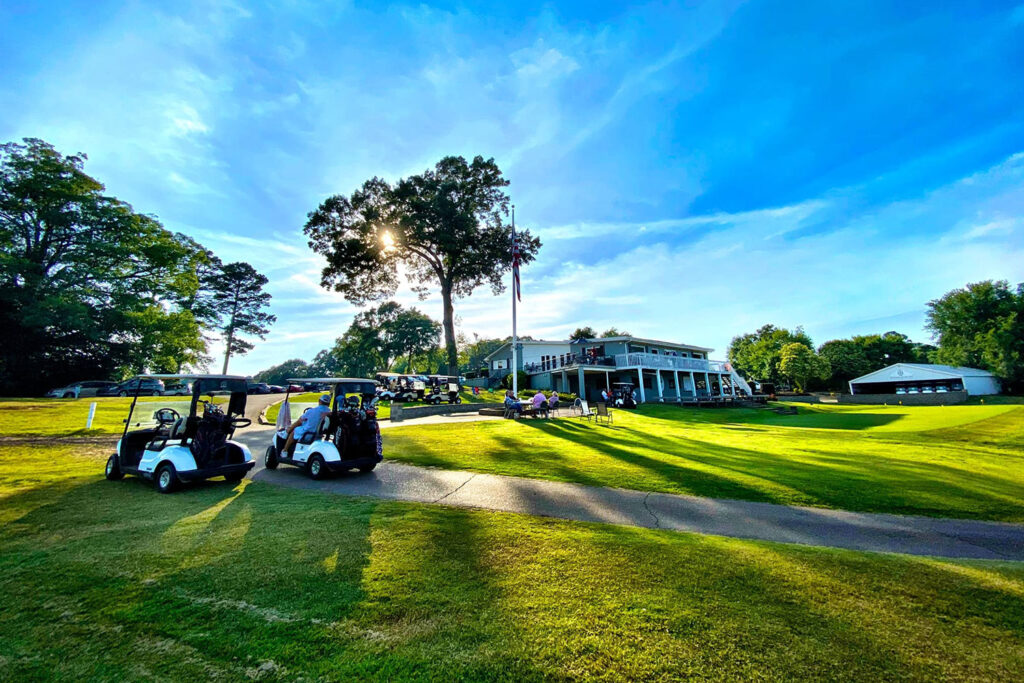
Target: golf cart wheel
column 270, row 459
column 123, row 394
column 155, row 393
column 317, row 468
column 367, row 468
column 234, row 478
column 113, row 470
column 68, row 394
column 166, row 478
column 458, row 400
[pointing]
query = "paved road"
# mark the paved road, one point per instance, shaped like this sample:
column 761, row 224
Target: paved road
column 733, row 518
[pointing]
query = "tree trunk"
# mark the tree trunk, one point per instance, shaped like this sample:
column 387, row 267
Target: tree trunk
column 227, row 353
column 449, row 330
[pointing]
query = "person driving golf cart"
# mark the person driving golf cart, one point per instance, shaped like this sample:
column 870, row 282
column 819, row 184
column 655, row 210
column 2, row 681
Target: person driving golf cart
column 177, row 439
column 340, row 433
column 307, row 422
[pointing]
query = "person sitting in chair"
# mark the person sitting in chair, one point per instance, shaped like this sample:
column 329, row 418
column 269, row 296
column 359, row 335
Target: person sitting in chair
column 512, row 403
column 539, row 403
column 553, row 401
column 308, row 422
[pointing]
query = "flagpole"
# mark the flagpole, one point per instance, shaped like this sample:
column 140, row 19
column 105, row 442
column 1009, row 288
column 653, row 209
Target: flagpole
column 515, row 365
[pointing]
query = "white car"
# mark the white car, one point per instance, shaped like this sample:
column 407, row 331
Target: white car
column 347, row 438
column 172, row 443
column 79, row 389
column 178, row 389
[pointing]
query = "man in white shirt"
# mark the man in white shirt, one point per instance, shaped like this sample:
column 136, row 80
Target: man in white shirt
column 309, row 421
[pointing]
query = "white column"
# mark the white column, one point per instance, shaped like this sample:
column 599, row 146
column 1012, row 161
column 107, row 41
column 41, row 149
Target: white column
column 583, row 382
column 640, row 375
column 693, row 383
column 679, row 389
column 661, row 388
column 707, row 383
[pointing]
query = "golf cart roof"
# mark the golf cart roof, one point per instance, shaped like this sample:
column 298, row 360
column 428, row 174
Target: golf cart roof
column 329, row 380
column 191, row 377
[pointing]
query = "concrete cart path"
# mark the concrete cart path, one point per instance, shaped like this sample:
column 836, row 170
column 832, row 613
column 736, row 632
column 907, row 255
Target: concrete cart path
column 732, row 518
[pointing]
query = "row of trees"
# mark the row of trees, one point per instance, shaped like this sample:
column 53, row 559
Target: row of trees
column 90, row 288
column 388, row 337
column 980, row 325
column 583, row 333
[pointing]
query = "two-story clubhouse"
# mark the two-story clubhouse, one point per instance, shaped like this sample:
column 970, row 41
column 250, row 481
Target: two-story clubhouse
column 659, row 370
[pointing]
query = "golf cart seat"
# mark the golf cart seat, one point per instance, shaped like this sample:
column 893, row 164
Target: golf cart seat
column 314, row 434
column 177, row 430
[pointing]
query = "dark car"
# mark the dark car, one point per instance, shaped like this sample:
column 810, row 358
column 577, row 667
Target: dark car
column 259, row 388
column 144, row 387
column 276, row 389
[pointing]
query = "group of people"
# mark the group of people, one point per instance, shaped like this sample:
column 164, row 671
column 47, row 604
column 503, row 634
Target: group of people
column 539, row 401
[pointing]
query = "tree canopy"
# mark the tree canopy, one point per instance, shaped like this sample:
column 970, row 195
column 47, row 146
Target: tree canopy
column 280, row 374
column 799, row 364
column 982, row 326
column 88, row 287
column 237, row 301
column 443, row 227
column 757, row 355
column 582, row 333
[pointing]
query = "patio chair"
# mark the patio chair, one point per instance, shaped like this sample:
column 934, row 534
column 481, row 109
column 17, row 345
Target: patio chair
column 553, row 408
column 584, row 409
column 510, row 413
column 603, row 412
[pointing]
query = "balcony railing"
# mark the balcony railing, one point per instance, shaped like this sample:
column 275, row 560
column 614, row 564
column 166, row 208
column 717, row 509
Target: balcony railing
column 627, row 360
column 661, row 362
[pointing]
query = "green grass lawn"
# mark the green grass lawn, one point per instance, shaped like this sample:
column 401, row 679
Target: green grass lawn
column 959, row 461
column 112, row 581
column 67, row 417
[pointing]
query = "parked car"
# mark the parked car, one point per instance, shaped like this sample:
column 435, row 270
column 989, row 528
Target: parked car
column 79, row 389
column 178, row 389
column 295, row 388
column 913, row 390
column 901, row 390
column 941, row 389
column 144, row 386
column 276, row 389
column 259, row 388
column 927, row 390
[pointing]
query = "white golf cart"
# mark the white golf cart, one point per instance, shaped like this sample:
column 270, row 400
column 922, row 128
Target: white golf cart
column 173, row 441
column 347, row 438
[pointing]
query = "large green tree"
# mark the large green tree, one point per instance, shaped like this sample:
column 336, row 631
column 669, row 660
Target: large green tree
column 799, row 364
column 444, row 227
column 238, row 301
column 280, row 374
column 982, row 326
column 757, row 355
column 847, row 360
column 582, row 334
column 88, row 287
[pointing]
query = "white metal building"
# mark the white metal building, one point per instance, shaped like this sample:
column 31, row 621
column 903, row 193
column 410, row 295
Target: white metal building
column 915, row 378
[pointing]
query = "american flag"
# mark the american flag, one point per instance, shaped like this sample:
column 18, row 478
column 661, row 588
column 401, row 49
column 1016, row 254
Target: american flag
column 515, row 264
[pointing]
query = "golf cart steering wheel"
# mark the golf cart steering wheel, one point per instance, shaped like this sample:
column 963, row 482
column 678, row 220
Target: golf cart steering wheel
column 166, row 416
column 240, row 422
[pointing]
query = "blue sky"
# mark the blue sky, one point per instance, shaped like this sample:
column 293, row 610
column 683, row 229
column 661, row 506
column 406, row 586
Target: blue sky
column 694, row 170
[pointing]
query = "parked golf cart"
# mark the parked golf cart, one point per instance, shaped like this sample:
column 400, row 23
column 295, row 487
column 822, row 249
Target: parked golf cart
column 347, row 438
column 623, row 395
column 189, row 439
column 443, row 388
column 400, row 388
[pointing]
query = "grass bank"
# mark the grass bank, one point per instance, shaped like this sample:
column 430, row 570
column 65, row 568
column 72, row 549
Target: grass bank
column 960, row 461
column 112, row 581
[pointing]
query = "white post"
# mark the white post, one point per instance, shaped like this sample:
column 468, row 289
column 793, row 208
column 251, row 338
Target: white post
column 515, row 365
column 661, row 389
column 92, row 414
column 640, row 376
column 679, row 389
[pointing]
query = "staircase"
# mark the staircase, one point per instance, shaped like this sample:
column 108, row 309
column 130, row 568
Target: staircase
column 737, row 380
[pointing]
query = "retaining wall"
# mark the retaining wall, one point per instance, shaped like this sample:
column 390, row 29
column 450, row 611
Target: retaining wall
column 400, row 412
column 948, row 398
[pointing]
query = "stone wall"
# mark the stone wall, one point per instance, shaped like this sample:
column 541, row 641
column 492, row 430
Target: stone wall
column 400, row 412
column 948, row 398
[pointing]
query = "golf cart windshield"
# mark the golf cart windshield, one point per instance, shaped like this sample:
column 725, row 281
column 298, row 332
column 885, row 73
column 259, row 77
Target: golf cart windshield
column 158, row 410
column 364, row 390
column 220, row 387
